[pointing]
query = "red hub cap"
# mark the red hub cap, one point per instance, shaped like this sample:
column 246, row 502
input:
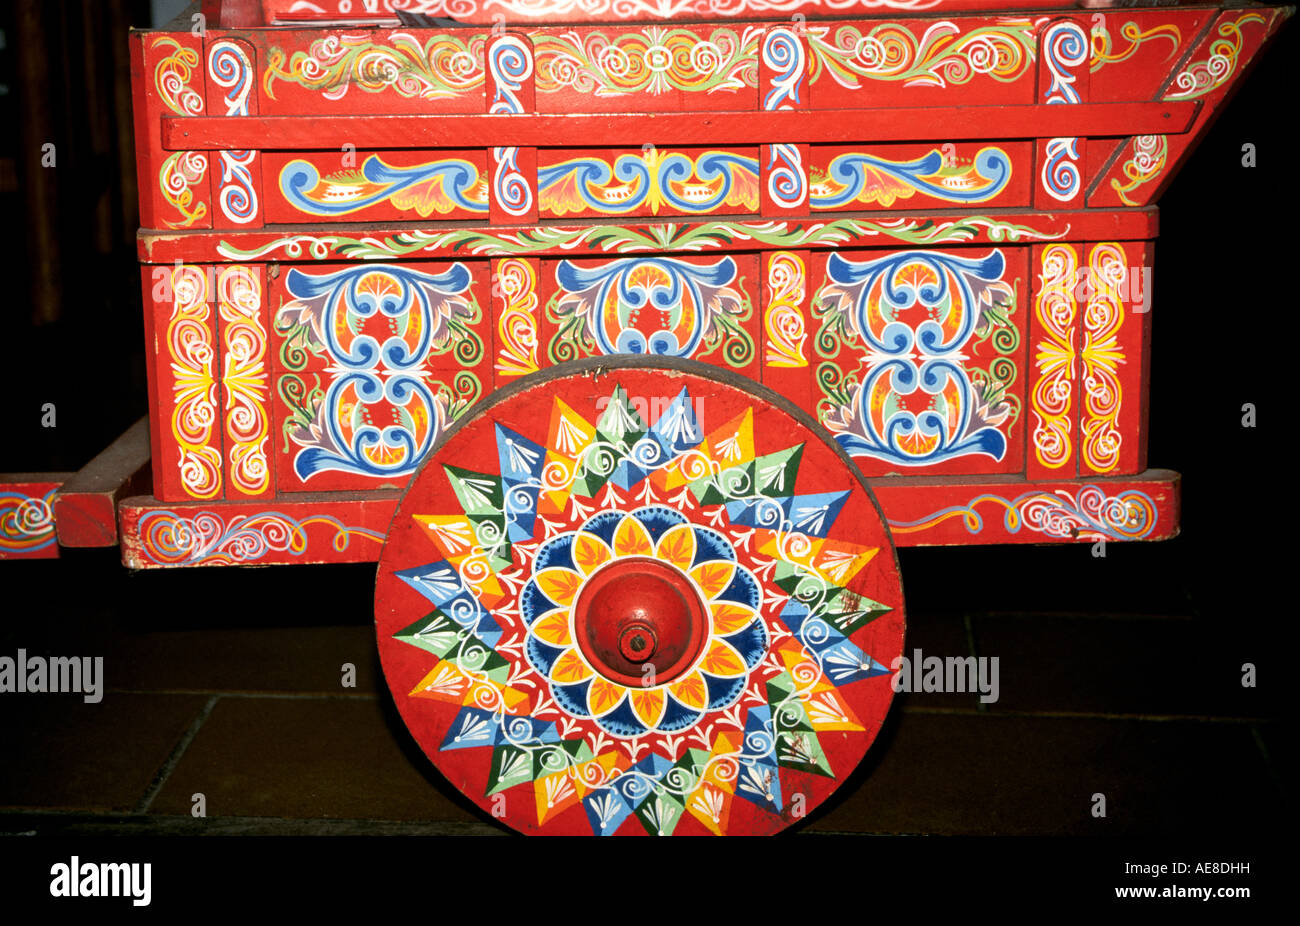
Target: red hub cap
column 640, row 621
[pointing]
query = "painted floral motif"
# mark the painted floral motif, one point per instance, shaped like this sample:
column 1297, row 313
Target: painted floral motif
column 942, row 56
column 677, row 236
column 1100, row 435
column 1086, row 514
column 510, row 63
column 1104, row 50
column 178, row 178
column 244, row 378
column 652, row 305
column 1056, row 309
column 548, row 10
column 857, row 177
column 229, row 67
column 915, row 313
column 516, row 318
column 381, row 411
column 1144, row 165
column 193, row 355
column 437, row 187
column 736, row 640
column 207, row 538
column 784, row 320
column 1202, row 77
column 443, row 67
column 755, row 705
column 657, row 61
column 1065, row 50
column 172, row 77
column 654, row 180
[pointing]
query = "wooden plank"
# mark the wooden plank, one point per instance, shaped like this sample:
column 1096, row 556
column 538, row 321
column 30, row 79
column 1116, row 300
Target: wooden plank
column 184, row 381
column 350, row 527
column 681, row 128
column 1113, row 351
column 1052, row 411
column 85, row 508
column 343, row 527
column 26, row 521
column 936, row 228
column 293, row 12
column 961, row 512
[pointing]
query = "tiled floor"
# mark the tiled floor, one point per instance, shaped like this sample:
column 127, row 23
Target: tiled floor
column 226, row 683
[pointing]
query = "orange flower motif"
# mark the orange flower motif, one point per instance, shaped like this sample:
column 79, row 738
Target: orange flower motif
column 679, row 543
column 559, row 585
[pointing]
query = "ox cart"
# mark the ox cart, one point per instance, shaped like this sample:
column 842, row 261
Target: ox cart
column 629, row 338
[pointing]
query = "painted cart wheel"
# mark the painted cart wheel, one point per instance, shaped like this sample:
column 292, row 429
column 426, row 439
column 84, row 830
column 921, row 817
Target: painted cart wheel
column 647, row 599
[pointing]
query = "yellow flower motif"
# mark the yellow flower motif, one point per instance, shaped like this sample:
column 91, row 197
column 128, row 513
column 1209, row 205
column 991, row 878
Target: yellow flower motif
column 728, row 592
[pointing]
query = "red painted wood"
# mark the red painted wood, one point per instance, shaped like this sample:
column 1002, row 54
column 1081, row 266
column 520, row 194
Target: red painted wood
column 921, row 511
column 184, row 381
column 27, row 529
column 320, row 528
column 1142, row 166
column 231, row 66
column 1113, row 380
column 1052, row 394
column 517, row 311
column 329, row 389
column 961, row 511
column 85, row 507
column 468, row 11
column 677, row 128
column 789, row 351
column 819, row 526
column 393, row 242
column 167, row 76
column 599, row 91
column 982, row 409
column 244, row 337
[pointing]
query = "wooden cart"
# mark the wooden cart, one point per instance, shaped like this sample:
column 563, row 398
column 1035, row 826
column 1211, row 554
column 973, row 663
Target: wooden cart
column 672, row 318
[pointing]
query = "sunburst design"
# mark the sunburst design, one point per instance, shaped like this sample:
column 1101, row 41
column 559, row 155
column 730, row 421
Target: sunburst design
column 777, row 672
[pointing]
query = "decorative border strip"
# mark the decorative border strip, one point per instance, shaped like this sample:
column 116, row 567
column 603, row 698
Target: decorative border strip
column 206, row 538
column 1099, row 432
column 942, row 56
column 1051, row 397
column 193, row 357
column 671, row 236
column 230, row 68
column 783, row 317
column 1202, row 77
column 515, row 286
column 244, row 378
column 26, row 524
column 1087, row 514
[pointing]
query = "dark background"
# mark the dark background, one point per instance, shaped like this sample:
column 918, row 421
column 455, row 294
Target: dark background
column 1224, row 308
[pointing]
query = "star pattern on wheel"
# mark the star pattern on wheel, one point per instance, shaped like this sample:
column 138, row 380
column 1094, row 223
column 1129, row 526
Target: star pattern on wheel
column 773, row 679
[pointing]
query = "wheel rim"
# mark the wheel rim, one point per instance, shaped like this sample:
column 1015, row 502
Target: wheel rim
column 591, row 625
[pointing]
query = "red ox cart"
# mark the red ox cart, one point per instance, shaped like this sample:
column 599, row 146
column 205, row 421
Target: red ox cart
column 630, row 337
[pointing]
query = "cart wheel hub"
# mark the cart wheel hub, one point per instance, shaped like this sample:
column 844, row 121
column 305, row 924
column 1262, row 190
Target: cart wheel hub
column 640, row 621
